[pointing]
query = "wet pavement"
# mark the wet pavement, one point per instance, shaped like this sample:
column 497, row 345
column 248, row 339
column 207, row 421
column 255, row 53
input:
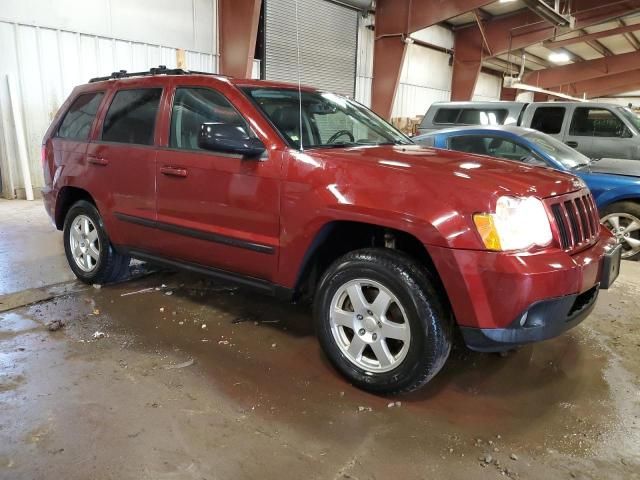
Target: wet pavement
column 199, row 380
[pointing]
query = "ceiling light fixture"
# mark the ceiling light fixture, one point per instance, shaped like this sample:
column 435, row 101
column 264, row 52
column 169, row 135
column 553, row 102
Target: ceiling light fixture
column 559, row 57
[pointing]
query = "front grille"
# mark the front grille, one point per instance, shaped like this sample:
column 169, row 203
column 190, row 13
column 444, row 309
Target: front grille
column 576, row 220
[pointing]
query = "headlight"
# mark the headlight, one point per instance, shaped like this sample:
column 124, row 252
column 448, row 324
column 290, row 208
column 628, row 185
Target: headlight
column 518, row 223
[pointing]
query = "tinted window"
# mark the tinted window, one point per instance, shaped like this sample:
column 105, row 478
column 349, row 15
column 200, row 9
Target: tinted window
column 79, row 118
column 482, row 117
column 446, row 115
column 469, row 144
column 194, row 106
column 597, row 122
column 548, row 119
column 132, row 116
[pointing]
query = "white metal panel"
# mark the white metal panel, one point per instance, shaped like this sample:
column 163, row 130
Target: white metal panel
column 488, row 88
column 426, row 78
column 364, row 65
column 435, row 35
column 327, row 44
column 47, row 64
column 187, row 24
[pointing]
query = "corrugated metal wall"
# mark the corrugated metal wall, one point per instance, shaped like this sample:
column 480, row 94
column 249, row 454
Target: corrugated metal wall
column 328, row 36
column 46, row 63
column 487, row 88
column 364, row 65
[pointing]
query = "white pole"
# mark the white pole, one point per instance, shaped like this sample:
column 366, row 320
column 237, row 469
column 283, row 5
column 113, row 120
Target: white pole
column 6, row 168
column 23, row 156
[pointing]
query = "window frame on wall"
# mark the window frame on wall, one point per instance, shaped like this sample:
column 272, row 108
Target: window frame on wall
column 158, row 109
column 94, row 94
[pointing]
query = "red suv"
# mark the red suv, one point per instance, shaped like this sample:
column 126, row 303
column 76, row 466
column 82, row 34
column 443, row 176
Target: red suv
column 307, row 194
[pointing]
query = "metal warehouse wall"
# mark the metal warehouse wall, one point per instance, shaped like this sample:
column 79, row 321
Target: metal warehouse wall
column 48, row 49
column 364, row 60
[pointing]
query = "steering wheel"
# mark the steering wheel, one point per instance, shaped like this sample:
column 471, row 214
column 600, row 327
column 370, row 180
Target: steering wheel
column 340, row 133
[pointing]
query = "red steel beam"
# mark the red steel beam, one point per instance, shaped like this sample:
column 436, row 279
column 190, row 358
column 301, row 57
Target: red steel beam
column 238, row 26
column 551, row 44
column 567, row 74
column 596, row 87
column 396, row 19
column 388, row 58
column 402, row 17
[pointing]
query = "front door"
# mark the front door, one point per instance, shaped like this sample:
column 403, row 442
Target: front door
column 215, row 209
column 601, row 134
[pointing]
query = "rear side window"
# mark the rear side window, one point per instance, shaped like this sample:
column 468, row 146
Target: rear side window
column 131, row 117
column 446, row 115
column 483, row 117
column 548, row 119
column 597, row 122
column 194, row 106
column 79, row 118
column 470, row 144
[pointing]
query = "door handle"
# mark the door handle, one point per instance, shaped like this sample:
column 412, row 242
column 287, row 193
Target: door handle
column 98, row 161
column 174, row 171
column 572, row 144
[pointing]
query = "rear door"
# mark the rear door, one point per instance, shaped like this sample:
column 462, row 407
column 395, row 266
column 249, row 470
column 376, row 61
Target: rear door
column 607, row 134
column 121, row 165
column 216, row 209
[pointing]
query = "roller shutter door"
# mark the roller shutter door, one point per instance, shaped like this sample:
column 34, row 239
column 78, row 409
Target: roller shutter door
column 328, row 44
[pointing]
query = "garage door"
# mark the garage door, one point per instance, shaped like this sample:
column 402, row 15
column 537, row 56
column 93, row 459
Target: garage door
column 328, row 44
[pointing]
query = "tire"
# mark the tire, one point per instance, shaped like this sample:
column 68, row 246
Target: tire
column 618, row 217
column 413, row 302
column 99, row 263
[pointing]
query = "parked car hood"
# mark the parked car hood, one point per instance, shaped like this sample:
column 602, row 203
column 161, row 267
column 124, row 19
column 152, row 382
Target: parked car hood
column 617, row 166
column 450, row 170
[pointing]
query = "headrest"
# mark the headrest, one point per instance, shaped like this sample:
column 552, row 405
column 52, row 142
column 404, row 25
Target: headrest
column 286, row 118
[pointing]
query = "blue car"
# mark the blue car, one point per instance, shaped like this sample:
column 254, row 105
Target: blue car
column 615, row 183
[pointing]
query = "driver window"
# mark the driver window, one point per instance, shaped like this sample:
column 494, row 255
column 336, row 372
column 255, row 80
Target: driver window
column 194, row 106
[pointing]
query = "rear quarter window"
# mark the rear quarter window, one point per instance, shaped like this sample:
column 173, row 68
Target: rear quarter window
column 77, row 121
column 446, row 115
column 548, row 119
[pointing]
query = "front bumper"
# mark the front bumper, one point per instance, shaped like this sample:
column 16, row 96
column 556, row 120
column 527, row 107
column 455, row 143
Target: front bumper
column 503, row 300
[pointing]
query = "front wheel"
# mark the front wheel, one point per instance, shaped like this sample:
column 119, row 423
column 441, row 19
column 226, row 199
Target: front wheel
column 623, row 220
column 381, row 321
column 88, row 249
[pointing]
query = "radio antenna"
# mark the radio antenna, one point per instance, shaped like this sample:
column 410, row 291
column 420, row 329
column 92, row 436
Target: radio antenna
column 299, row 82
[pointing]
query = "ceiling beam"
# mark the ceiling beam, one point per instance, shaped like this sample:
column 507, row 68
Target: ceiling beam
column 629, row 36
column 595, row 87
column 586, row 37
column 403, row 17
column 567, row 74
column 597, row 46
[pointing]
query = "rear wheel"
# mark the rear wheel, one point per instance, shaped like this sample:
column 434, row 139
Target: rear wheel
column 623, row 220
column 381, row 322
column 88, row 249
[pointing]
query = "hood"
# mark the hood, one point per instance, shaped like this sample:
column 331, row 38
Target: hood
column 444, row 169
column 615, row 165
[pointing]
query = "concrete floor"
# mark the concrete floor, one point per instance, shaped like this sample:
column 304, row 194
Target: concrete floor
column 199, row 380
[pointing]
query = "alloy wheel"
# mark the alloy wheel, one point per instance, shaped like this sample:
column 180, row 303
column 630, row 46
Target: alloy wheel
column 369, row 325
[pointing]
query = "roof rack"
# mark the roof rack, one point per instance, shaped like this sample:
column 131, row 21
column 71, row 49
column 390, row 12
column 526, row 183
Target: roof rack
column 159, row 70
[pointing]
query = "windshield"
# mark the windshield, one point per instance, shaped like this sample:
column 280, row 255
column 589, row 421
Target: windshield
column 328, row 120
column 632, row 117
column 557, row 150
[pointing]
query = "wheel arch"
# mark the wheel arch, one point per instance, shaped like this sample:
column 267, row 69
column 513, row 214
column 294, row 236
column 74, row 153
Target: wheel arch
column 67, row 196
column 336, row 238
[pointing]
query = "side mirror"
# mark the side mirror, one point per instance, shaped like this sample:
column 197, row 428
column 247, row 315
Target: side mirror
column 222, row 137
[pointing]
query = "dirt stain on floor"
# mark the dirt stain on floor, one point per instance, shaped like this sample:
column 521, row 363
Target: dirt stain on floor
column 195, row 379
